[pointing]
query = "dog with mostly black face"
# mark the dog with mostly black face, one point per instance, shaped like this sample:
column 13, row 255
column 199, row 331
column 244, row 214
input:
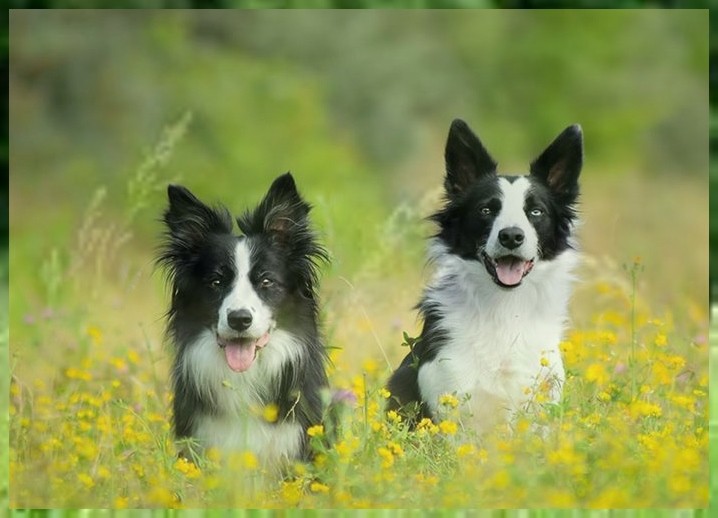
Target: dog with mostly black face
column 249, row 363
column 495, row 311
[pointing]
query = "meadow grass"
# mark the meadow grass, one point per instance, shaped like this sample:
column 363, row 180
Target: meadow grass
column 89, row 398
column 631, row 432
column 4, row 383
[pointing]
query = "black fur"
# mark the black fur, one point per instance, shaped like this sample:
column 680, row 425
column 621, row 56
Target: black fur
column 197, row 256
column 464, row 226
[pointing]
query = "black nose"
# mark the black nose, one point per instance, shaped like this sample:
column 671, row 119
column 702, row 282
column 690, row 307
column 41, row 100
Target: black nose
column 239, row 319
column 511, row 237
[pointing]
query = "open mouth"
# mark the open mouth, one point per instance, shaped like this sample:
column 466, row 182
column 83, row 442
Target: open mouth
column 240, row 352
column 507, row 271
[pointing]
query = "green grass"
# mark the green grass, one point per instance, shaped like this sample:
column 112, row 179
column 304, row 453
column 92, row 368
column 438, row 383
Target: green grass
column 89, row 399
column 4, row 383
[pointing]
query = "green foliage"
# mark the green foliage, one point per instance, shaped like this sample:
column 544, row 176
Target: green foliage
column 356, row 104
column 253, row 4
column 388, row 73
column 713, row 188
column 4, row 387
column 359, row 4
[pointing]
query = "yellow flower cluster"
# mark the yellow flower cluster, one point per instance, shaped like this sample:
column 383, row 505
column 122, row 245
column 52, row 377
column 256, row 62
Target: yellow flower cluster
column 96, row 432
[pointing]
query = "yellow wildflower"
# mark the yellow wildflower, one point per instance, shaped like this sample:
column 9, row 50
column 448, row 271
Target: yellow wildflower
column 370, row 366
column 86, row 480
column 387, row 458
column 133, row 356
column 119, row 364
column 449, row 400
column 77, row 374
column 187, row 468
column 393, row 416
column 121, row 502
column 645, row 409
column 213, row 454
column 316, row 431
column 596, row 372
column 427, row 425
column 249, row 460
column 448, row 427
column 161, row 496
column 465, row 450
column 270, row 413
column 291, row 492
column 95, row 334
column 395, row 448
column 318, row 487
column 320, row 460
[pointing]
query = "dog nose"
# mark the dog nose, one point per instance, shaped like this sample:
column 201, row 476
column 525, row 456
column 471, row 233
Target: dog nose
column 511, row 237
column 239, row 319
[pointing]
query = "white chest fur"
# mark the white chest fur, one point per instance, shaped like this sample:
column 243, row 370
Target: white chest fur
column 237, row 422
column 501, row 344
column 272, row 443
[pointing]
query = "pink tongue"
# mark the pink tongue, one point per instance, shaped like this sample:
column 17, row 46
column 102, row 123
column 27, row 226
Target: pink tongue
column 510, row 270
column 240, row 355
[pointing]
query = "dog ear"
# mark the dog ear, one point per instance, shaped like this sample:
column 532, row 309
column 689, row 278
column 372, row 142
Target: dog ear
column 281, row 211
column 560, row 163
column 287, row 209
column 466, row 158
column 189, row 218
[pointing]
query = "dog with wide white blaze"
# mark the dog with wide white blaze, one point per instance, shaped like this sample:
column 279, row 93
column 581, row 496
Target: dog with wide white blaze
column 496, row 308
column 249, row 364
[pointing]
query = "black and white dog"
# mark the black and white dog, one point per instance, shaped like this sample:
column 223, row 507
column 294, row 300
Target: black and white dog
column 496, row 308
column 249, row 364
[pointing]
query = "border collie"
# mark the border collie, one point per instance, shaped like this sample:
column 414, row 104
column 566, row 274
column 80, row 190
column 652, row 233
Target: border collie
column 243, row 321
column 496, row 308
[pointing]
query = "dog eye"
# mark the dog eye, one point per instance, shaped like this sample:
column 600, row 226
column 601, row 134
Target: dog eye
column 266, row 282
column 536, row 212
column 485, row 211
column 215, row 283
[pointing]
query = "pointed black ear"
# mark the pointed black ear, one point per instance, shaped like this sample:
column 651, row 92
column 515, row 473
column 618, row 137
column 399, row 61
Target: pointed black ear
column 187, row 217
column 282, row 210
column 466, row 158
column 288, row 209
column 560, row 163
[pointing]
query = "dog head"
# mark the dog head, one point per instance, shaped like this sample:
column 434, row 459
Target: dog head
column 509, row 223
column 241, row 287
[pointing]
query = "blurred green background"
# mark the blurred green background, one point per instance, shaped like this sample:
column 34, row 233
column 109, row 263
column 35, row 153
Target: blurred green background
column 357, row 105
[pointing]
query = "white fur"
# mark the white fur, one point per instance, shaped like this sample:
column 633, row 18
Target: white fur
column 243, row 296
column 512, row 214
column 238, row 424
column 496, row 337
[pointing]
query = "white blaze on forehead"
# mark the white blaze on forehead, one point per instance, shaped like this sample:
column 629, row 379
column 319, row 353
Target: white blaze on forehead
column 244, row 296
column 512, row 214
column 512, row 206
column 242, row 261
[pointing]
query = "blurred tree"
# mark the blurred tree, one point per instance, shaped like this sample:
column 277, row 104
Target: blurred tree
column 399, row 78
column 598, row 4
column 713, row 186
column 386, row 76
column 252, row 4
column 4, row 223
column 355, row 4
